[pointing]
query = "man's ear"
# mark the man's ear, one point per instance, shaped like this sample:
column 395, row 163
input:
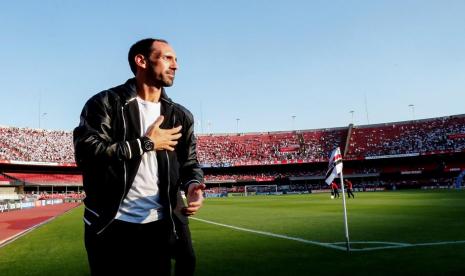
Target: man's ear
column 140, row 61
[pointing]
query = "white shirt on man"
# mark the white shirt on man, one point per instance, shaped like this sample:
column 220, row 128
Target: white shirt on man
column 141, row 205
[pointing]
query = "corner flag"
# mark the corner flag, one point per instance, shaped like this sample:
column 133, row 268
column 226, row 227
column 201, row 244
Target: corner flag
column 335, row 169
column 335, row 166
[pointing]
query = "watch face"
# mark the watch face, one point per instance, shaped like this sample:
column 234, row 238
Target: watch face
column 148, row 145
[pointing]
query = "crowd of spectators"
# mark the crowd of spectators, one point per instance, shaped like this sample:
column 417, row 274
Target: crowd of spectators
column 414, row 137
column 445, row 134
column 36, row 145
column 269, row 176
column 268, row 148
column 225, row 190
column 70, row 195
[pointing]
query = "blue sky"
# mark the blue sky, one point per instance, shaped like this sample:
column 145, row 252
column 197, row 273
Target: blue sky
column 260, row 61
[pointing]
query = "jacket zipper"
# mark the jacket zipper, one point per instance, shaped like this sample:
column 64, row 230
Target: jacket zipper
column 124, row 168
column 169, row 186
column 169, row 198
column 92, row 211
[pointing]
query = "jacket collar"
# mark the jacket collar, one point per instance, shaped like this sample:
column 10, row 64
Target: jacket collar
column 129, row 92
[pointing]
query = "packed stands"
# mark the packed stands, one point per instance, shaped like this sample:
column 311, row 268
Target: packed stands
column 64, row 196
column 36, row 145
column 424, row 137
column 403, row 155
column 418, row 147
column 268, row 148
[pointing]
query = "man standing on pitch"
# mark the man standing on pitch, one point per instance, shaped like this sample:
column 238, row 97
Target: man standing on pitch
column 349, row 188
column 335, row 189
column 136, row 148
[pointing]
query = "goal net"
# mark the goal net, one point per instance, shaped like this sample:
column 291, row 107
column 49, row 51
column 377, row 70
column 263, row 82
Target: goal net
column 260, row 190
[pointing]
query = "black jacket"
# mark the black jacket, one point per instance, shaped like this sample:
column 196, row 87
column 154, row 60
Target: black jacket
column 108, row 151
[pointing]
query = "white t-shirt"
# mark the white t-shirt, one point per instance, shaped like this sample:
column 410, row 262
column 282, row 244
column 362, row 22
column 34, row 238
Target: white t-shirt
column 141, row 205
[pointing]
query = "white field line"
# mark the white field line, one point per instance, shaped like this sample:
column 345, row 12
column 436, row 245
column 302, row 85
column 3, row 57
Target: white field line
column 407, row 245
column 336, row 245
column 272, row 234
column 375, row 242
column 24, row 232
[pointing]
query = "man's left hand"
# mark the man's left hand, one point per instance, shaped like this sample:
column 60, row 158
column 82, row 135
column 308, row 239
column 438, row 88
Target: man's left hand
column 194, row 198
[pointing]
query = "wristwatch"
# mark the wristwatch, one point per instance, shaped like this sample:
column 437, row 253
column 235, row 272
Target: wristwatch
column 147, row 144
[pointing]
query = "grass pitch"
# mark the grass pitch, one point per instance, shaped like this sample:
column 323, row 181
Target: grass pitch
column 415, row 233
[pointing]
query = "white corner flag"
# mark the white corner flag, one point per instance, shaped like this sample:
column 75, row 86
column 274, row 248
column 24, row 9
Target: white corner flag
column 335, row 165
column 335, row 169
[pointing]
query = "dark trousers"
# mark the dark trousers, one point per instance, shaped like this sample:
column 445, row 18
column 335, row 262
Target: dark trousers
column 183, row 253
column 349, row 193
column 130, row 249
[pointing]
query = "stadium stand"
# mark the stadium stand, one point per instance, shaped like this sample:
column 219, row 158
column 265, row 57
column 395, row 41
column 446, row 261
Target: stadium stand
column 4, row 179
column 400, row 154
column 35, row 145
column 431, row 136
column 47, row 179
column 268, row 148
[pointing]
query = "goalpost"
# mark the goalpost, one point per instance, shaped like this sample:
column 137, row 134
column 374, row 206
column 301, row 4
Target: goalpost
column 260, row 190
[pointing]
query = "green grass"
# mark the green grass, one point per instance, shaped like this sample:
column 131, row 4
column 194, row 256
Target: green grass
column 407, row 216
column 56, row 248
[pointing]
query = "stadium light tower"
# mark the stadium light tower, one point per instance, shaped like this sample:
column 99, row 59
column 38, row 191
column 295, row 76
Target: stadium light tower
column 293, row 122
column 41, row 116
column 352, row 114
column 412, row 106
column 237, row 124
column 199, row 125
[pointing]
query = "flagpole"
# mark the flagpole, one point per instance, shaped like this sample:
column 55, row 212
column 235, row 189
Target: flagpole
column 345, row 213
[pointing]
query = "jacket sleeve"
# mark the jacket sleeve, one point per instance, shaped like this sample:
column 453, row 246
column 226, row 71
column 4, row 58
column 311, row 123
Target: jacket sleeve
column 94, row 141
column 190, row 171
